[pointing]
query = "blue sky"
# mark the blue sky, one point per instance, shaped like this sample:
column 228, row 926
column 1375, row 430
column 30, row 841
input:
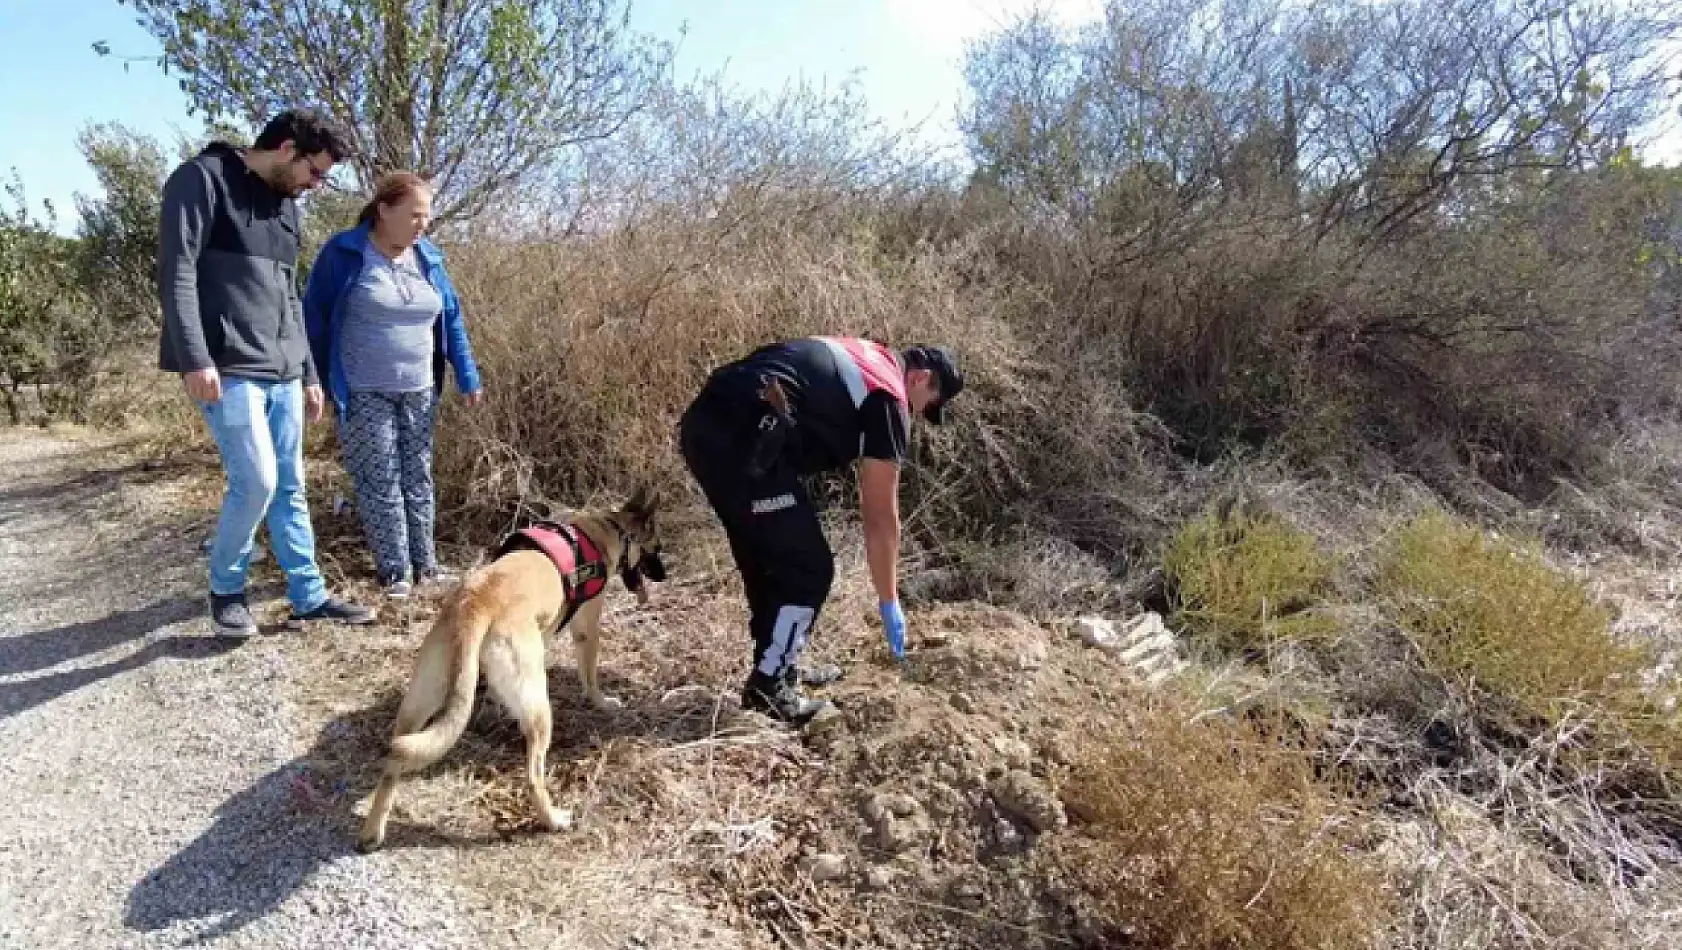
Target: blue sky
column 905, row 55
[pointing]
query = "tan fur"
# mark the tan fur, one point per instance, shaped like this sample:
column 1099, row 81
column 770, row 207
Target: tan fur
column 496, row 622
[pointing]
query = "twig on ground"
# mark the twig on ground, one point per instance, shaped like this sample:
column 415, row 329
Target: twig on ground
column 973, row 915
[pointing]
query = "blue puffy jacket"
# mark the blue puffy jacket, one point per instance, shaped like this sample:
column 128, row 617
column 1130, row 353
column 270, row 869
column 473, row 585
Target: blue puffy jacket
column 331, row 278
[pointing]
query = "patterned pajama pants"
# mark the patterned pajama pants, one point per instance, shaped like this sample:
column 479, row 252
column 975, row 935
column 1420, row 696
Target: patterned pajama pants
column 386, row 445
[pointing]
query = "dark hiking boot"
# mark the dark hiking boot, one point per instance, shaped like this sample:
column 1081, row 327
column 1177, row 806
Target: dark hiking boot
column 780, row 699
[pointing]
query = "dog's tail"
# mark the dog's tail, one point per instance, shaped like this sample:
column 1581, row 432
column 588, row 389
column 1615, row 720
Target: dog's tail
column 417, row 750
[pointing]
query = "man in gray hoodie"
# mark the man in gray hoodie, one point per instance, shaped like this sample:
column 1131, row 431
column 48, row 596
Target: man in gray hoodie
column 234, row 329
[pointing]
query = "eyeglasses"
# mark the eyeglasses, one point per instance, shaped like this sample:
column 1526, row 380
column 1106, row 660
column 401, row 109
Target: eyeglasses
column 318, row 173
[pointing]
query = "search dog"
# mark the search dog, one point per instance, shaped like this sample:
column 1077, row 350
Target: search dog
column 496, row 622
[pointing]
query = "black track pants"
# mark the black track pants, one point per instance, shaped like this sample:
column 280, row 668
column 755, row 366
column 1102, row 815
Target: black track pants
column 775, row 537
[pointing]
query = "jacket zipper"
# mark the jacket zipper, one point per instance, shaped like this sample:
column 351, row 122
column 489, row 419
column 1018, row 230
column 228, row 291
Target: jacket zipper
column 285, row 319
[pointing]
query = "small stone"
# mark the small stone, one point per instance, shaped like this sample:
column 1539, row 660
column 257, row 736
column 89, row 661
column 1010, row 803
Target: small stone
column 879, row 878
column 876, row 809
column 968, row 894
column 1032, row 657
column 827, row 867
column 896, row 836
column 825, row 730
column 902, row 806
column 1014, row 751
column 827, row 718
column 1060, row 750
column 1008, row 837
column 1098, row 632
column 897, row 822
column 963, row 703
column 1026, row 798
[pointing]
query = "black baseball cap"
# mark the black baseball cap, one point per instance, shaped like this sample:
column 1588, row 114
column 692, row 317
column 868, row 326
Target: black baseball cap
column 945, row 366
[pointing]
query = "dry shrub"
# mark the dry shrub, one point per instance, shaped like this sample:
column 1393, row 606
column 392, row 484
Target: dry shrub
column 1244, row 579
column 592, row 349
column 589, row 363
column 1209, row 833
column 1629, row 501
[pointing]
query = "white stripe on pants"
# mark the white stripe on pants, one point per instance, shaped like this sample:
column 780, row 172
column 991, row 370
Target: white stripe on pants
column 788, row 638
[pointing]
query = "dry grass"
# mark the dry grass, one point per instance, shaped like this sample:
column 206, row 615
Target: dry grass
column 1531, row 861
column 591, row 350
column 1210, row 833
column 592, row 358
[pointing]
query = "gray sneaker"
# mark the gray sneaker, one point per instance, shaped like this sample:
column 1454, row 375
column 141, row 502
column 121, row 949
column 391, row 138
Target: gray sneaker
column 334, row 610
column 399, row 590
column 437, row 577
column 230, row 617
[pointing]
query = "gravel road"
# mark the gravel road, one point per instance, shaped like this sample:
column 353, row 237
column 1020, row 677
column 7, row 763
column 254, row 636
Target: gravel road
column 154, row 779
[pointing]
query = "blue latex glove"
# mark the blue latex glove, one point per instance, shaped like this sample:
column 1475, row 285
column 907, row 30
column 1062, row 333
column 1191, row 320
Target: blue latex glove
column 893, row 627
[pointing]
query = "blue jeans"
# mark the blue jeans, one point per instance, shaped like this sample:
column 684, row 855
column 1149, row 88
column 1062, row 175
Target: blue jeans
column 259, row 430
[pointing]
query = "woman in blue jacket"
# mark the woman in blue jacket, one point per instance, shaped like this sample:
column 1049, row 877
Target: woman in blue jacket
column 383, row 321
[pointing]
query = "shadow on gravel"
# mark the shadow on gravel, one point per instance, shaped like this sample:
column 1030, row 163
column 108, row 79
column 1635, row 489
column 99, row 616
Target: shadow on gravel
column 29, row 652
column 268, row 841
column 75, row 489
column 18, row 697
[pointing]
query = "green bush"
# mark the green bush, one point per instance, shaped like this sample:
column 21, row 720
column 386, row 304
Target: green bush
column 1493, row 614
column 1242, row 580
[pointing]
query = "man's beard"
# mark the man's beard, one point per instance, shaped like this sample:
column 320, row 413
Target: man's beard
column 276, row 180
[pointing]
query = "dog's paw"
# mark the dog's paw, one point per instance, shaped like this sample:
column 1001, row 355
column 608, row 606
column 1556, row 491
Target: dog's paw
column 558, row 819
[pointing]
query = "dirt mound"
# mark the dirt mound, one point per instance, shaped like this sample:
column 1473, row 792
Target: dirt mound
column 935, row 784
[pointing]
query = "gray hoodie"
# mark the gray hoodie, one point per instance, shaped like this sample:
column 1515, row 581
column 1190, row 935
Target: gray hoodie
column 227, row 266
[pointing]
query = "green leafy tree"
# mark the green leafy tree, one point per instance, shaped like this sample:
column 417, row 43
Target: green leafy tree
column 481, row 94
column 118, row 256
column 37, row 289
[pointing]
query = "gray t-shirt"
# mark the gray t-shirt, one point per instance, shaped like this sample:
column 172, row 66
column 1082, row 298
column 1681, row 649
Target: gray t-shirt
column 386, row 343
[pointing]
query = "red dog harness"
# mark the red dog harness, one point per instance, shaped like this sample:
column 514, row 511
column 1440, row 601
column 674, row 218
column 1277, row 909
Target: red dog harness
column 582, row 567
